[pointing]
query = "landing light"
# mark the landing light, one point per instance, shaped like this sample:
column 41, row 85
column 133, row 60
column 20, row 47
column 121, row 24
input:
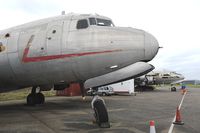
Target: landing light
column 115, row 66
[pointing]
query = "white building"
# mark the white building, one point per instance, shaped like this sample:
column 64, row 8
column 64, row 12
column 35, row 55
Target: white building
column 126, row 87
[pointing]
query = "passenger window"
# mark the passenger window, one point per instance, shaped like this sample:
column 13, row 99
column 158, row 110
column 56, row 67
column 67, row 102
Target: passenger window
column 54, row 31
column 92, row 21
column 7, row 35
column 82, row 24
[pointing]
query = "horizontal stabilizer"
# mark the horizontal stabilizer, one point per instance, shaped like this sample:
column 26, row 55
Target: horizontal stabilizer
column 131, row 71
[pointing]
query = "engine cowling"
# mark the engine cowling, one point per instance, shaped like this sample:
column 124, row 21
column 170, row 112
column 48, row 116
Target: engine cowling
column 149, row 79
column 46, row 87
column 61, row 86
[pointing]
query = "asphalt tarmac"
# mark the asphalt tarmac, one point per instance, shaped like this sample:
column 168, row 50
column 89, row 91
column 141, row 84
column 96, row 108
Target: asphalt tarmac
column 127, row 114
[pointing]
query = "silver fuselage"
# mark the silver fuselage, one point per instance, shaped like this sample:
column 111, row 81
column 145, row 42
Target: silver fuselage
column 53, row 50
column 166, row 77
column 160, row 77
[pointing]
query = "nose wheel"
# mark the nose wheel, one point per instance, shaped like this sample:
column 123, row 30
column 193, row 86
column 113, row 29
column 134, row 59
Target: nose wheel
column 100, row 112
column 35, row 98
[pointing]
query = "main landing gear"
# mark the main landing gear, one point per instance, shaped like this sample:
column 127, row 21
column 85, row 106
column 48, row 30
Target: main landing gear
column 173, row 88
column 100, row 112
column 35, row 98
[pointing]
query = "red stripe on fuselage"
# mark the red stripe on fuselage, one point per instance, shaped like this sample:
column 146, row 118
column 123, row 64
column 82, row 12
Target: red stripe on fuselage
column 27, row 59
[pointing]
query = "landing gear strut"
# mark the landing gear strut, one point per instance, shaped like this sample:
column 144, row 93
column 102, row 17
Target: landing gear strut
column 82, row 90
column 100, row 112
column 35, row 98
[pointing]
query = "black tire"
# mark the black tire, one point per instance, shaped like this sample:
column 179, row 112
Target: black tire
column 40, row 98
column 103, row 94
column 173, row 89
column 31, row 99
column 101, row 113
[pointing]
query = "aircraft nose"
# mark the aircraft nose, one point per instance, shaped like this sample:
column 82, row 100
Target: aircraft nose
column 181, row 77
column 151, row 46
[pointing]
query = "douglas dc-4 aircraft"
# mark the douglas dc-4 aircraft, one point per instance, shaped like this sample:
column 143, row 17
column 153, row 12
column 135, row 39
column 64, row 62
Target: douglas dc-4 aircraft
column 158, row 78
column 83, row 48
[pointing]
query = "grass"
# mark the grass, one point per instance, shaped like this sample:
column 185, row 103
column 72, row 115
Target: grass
column 179, row 86
column 190, row 86
column 193, row 86
column 22, row 94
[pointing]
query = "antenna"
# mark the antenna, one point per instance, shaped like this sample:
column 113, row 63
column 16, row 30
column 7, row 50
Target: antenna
column 63, row 13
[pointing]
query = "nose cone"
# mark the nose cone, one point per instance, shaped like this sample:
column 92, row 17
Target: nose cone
column 181, row 77
column 151, row 46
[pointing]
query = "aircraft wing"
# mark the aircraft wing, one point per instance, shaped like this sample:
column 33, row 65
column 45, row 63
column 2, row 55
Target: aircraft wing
column 177, row 82
column 131, row 71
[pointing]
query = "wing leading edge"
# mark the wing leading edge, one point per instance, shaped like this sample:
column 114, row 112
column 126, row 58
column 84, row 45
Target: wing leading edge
column 131, row 71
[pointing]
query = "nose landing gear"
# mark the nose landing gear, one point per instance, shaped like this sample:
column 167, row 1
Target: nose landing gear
column 100, row 112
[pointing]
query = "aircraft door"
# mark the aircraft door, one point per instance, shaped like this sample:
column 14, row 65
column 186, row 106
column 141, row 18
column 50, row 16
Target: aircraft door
column 54, row 38
column 34, row 41
column 81, row 41
column 66, row 29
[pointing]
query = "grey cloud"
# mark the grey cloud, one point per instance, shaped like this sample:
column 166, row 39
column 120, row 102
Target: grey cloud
column 32, row 6
column 185, row 62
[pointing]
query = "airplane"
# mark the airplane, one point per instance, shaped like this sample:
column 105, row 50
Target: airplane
column 84, row 48
column 158, row 78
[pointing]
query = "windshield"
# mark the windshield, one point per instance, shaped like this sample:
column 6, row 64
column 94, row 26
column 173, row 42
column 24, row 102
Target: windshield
column 101, row 22
column 104, row 22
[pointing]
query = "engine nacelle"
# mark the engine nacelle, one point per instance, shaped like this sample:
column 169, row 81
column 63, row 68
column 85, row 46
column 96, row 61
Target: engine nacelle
column 61, row 86
column 46, row 87
column 149, row 79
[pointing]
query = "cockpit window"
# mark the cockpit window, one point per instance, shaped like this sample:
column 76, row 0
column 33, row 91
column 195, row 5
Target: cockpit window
column 166, row 75
column 82, row 24
column 92, row 21
column 104, row 22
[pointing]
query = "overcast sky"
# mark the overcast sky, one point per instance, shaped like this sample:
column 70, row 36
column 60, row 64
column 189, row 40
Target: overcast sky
column 175, row 24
